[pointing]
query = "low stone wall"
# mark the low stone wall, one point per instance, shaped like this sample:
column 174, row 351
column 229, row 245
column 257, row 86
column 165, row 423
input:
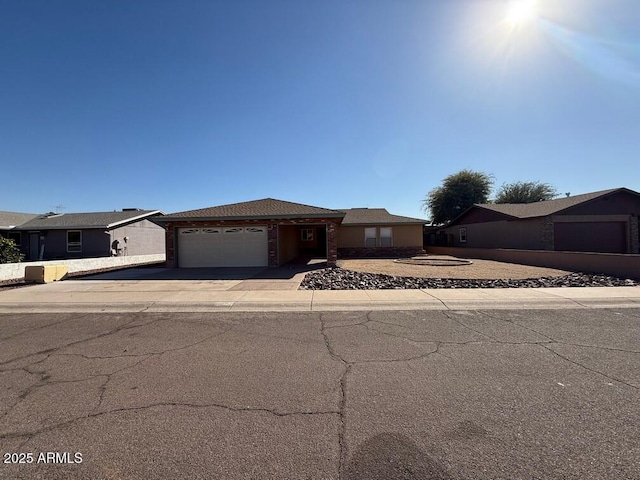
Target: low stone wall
column 615, row 264
column 14, row 272
column 380, row 252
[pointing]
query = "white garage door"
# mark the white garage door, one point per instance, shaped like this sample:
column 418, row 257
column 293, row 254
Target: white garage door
column 223, row 247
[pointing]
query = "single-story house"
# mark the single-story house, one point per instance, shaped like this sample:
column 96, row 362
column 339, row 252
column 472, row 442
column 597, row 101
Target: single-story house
column 54, row 236
column 604, row 221
column 270, row 232
column 10, row 220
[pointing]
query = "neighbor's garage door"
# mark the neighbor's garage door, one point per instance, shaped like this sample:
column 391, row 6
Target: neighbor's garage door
column 605, row 237
column 223, row 247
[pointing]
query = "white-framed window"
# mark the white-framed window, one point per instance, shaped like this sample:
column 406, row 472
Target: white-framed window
column 74, row 241
column 370, row 237
column 463, row 234
column 306, row 234
column 386, row 237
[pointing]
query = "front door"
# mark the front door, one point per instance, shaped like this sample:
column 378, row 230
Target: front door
column 34, row 246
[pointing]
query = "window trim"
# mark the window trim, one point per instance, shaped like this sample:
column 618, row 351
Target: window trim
column 390, row 237
column 463, row 234
column 306, row 234
column 76, row 247
column 374, row 237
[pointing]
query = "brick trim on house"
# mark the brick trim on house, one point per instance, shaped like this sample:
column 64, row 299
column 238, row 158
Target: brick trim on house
column 272, row 234
column 380, row 252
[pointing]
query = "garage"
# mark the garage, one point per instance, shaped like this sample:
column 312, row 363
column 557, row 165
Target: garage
column 604, row 237
column 230, row 246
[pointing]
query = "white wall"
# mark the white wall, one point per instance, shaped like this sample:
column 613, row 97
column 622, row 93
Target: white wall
column 15, row 271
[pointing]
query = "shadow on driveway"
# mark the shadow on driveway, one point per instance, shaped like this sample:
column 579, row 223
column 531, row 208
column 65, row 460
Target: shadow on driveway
column 285, row 272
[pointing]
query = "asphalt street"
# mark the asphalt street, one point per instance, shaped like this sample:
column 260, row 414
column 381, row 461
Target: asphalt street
column 435, row 394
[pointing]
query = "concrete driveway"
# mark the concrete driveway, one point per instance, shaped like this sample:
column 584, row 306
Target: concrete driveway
column 237, row 278
column 495, row 394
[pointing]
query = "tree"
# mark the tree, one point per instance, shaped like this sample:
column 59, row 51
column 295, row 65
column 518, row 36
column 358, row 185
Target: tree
column 525, row 192
column 458, row 192
column 9, row 252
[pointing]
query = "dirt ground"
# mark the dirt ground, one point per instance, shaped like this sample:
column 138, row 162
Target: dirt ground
column 479, row 269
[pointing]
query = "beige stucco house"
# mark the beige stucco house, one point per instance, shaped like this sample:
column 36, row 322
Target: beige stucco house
column 271, row 232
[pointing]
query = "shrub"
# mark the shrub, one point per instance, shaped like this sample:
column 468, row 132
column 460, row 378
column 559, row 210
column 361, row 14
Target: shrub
column 9, row 251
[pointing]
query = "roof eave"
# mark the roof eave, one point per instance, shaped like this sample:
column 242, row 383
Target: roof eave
column 476, row 205
column 37, row 228
column 135, row 219
column 364, row 224
column 247, row 217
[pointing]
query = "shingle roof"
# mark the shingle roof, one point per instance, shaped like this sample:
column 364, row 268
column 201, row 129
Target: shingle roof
column 376, row 216
column 264, row 208
column 86, row 220
column 9, row 220
column 542, row 209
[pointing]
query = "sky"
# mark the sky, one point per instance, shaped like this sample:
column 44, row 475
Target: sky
column 179, row 105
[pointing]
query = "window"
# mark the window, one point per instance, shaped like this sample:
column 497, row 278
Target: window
column 307, row 234
column 74, row 241
column 463, row 234
column 370, row 239
column 16, row 237
column 386, row 239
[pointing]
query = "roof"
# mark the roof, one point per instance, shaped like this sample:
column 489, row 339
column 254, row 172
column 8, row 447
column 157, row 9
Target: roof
column 542, row 209
column 376, row 216
column 264, row 208
column 108, row 220
column 9, row 220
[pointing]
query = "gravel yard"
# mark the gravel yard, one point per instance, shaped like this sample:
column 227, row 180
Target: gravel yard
column 486, row 269
column 369, row 274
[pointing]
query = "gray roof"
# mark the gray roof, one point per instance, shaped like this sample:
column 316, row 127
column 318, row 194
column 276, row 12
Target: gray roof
column 542, row 209
column 107, row 220
column 264, row 208
column 376, row 216
column 8, row 220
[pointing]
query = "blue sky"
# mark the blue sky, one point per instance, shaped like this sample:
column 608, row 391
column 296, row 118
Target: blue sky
column 177, row 105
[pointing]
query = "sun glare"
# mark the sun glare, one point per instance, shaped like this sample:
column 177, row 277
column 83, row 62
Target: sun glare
column 521, row 12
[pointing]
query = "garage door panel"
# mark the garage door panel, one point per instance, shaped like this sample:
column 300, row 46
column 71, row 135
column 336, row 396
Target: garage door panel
column 211, row 252
column 255, row 246
column 189, row 246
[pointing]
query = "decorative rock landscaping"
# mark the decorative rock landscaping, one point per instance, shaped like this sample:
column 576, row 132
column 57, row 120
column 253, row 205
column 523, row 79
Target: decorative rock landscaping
column 340, row 279
column 435, row 261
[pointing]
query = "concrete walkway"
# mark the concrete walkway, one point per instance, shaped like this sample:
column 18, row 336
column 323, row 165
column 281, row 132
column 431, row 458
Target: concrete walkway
column 269, row 295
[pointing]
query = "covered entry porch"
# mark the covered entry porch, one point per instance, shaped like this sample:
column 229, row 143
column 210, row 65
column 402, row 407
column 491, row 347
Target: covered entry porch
column 307, row 240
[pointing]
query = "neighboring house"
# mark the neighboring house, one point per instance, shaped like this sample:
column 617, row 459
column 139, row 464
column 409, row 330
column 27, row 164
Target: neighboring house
column 54, row 236
column 9, row 221
column 272, row 232
column 605, row 221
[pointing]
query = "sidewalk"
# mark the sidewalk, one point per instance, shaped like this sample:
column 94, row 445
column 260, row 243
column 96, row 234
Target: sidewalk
column 213, row 296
